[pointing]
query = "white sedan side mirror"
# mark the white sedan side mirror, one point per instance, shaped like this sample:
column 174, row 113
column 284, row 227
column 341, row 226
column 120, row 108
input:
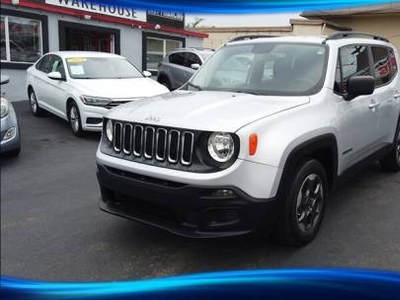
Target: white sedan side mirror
column 55, row 76
column 147, row 74
column 195, row 66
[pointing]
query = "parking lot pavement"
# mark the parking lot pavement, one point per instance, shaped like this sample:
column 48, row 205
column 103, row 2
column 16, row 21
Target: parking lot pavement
column 52, row 229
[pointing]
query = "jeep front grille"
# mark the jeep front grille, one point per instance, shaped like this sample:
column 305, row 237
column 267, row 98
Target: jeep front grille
column 154, row 143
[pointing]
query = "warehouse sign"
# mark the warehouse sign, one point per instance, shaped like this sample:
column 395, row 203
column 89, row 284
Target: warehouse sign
column 100, row 8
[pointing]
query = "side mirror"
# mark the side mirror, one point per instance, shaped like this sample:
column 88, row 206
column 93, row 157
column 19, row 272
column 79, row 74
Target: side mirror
column 147, row 74
column 195, row 66
column 55, row 76
column 5, row 79
column 359, row 85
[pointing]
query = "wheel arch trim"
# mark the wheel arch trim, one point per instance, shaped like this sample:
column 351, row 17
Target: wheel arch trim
column 303, row 150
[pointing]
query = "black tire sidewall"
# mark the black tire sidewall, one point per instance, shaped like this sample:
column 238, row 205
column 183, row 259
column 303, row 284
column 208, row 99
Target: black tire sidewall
column 305, row 169
column 390, row 162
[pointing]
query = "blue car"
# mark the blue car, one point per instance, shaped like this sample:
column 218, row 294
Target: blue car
column 10, row 135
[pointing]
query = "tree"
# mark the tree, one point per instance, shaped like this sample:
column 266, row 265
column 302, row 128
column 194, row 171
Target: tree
column 196, row 22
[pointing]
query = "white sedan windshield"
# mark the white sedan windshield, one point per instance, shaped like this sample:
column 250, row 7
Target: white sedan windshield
column 101, row 68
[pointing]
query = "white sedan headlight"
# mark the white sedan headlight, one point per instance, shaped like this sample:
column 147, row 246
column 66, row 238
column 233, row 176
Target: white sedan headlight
column 95, row 101
column 221, row 146
column 4, row 107
column 109, row 131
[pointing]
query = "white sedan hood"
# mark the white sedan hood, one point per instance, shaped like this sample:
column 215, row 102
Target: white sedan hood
column 209, row 111
column 120, row 88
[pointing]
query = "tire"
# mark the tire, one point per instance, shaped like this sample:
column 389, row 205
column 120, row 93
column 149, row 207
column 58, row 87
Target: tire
column 15, row 152
column 391, row 163
column 165, row 82
column 34, row 105
column 303, row 205
column 74, row 119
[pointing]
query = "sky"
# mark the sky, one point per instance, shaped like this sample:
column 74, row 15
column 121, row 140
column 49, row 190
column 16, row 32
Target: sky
column 242, row 19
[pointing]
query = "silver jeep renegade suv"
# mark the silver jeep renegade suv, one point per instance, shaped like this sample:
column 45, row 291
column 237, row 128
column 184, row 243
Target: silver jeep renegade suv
column 256, row 139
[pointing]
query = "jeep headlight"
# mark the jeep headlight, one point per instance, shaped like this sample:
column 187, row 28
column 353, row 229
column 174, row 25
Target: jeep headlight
column 4, row 107
column 95, row 101
column 221, row 146
column 109, row 131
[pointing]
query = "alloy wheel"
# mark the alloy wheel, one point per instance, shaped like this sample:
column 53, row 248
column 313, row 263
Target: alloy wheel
column 310, row 200
column 74, row 118
column 33, row 102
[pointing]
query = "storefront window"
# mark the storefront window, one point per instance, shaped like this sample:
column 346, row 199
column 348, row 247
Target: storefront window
column 21, row 39
column 156, row 50
column 3, row 39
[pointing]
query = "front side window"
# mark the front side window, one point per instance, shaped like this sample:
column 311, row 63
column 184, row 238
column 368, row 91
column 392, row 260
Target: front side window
column 265, row 68
column 354, row 61
column 177, row 58
column 21, row 39
column 101, row 68
column 57, row 65
column 192, row 58
column 381, row 65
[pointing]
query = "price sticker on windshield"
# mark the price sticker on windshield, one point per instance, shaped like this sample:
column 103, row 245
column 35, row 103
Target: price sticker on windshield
column 76, row 60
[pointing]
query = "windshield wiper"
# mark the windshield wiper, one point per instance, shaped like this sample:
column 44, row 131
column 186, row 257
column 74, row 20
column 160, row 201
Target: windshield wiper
column 197, row 87
column 246, row 92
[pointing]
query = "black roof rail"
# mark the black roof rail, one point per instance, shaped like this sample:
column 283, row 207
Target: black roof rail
column 349, row 34
column 250, row 37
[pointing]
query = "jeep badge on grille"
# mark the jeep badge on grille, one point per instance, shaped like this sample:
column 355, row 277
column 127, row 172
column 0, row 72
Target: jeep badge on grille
column 154, row 119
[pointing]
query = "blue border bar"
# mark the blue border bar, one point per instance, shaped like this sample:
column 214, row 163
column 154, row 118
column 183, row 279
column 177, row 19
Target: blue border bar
column 252, row 284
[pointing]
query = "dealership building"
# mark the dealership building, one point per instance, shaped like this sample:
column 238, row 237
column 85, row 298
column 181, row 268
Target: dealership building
column 31, row 28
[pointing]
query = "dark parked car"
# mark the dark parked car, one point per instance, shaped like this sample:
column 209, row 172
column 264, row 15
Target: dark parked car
column 180, row 64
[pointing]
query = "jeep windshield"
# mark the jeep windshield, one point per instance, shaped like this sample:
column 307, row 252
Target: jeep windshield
column 287, row 69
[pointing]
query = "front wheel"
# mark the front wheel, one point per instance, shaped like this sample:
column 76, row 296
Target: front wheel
column 391, row 162
column 74, row 118
column 303, row 204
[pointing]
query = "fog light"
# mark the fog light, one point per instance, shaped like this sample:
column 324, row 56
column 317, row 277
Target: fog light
column 224, row 193
column 10, row 133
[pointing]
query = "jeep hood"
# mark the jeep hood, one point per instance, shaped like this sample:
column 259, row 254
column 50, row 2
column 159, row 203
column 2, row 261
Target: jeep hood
column 204, row 110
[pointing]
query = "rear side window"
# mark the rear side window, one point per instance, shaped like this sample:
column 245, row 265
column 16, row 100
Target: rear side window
column 44, row 64
column 353, row 61
column 177, row 58
column 393, row 63
column 382, row 70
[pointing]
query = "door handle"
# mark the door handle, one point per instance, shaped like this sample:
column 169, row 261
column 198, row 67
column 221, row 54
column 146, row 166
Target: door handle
column 396, row 96
column 374, row 105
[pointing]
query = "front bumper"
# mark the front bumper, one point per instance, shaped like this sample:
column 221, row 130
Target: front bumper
column 184, row 209
column 92, row 117
column 8, row 122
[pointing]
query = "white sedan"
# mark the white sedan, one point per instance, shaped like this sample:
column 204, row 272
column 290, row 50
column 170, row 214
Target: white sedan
column 81, row 86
